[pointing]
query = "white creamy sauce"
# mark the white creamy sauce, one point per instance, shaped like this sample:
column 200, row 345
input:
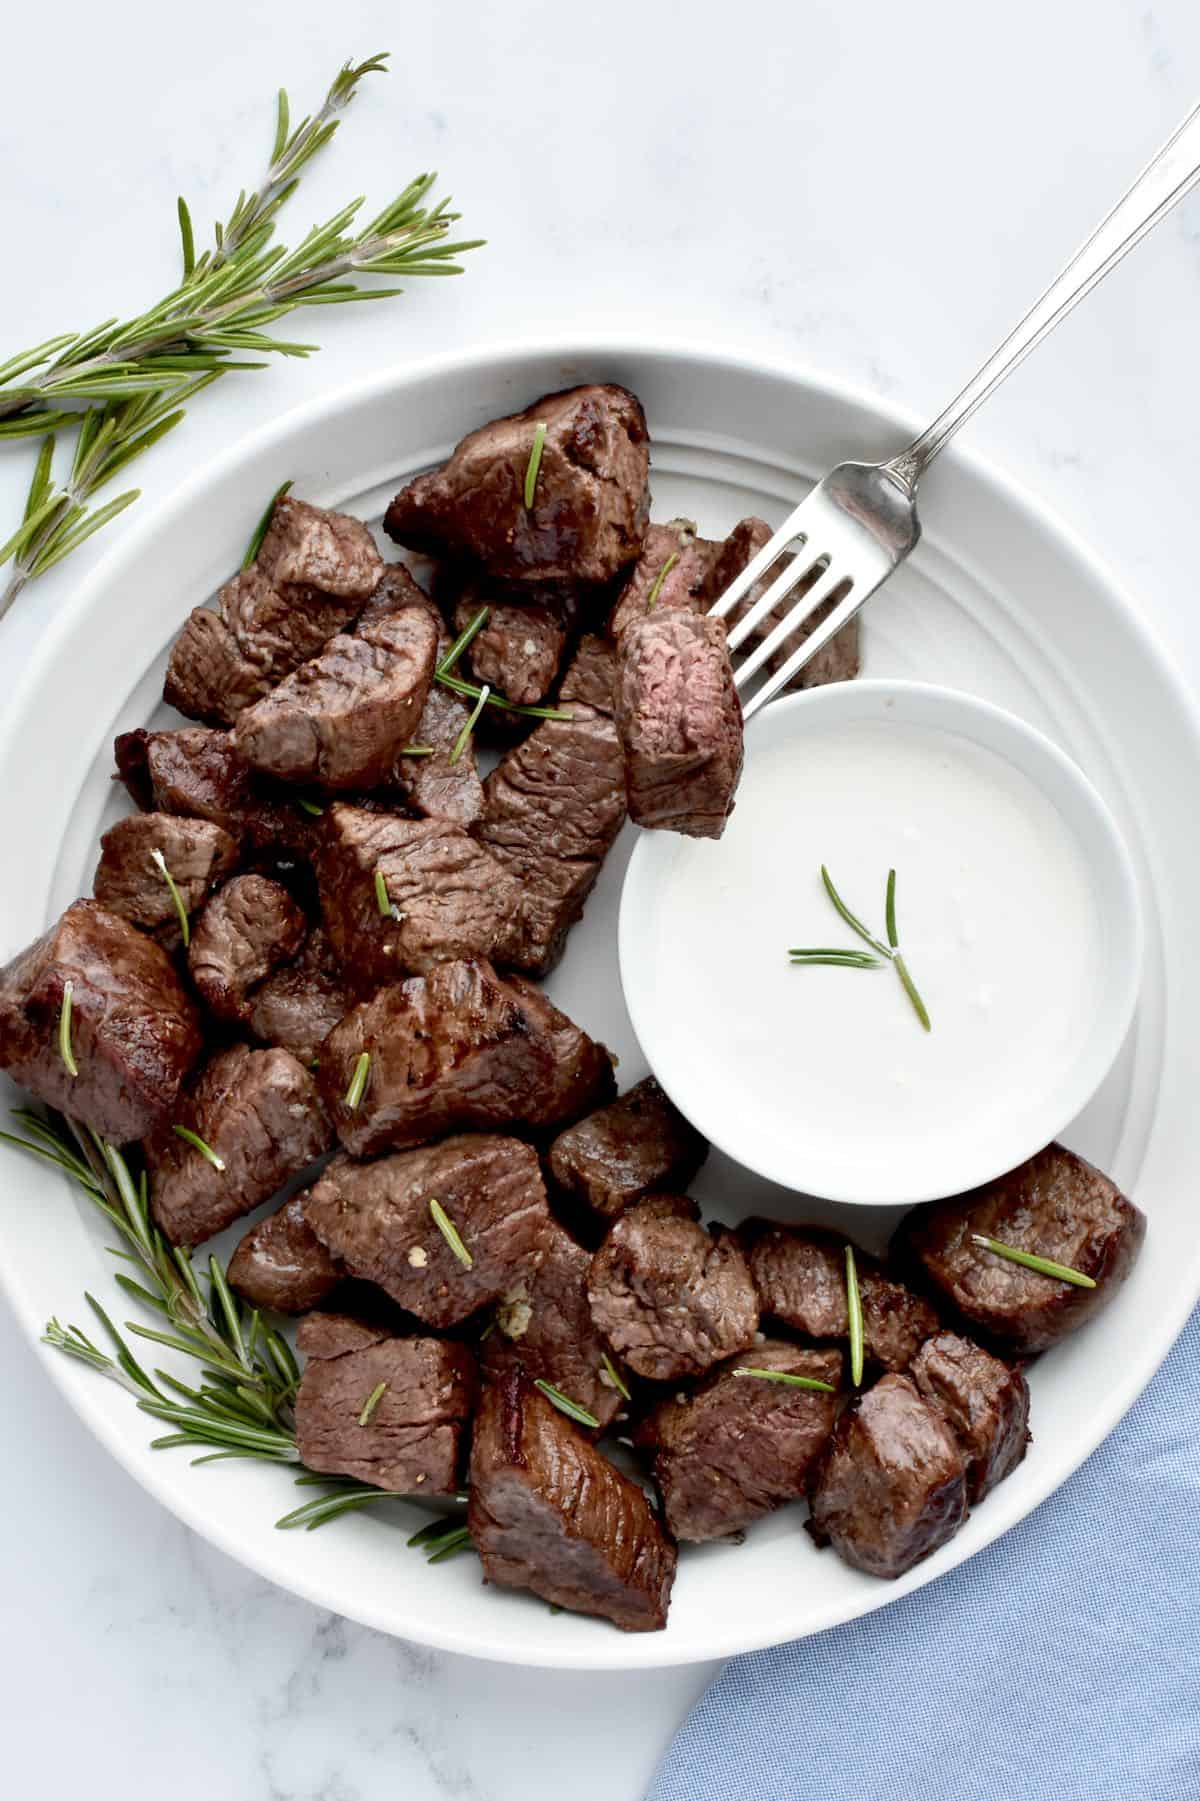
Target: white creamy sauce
column 996, row 919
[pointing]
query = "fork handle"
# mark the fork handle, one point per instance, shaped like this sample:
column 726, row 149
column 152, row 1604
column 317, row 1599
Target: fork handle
column 1164, row 180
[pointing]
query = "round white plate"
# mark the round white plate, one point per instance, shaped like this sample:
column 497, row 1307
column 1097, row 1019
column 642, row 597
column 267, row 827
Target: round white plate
column 998, row 600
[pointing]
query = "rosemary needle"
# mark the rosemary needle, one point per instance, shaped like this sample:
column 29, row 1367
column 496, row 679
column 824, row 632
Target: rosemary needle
column 358, row 1081
column 660, row 578
column 612, row 1373
column 837, row 959
column 565, row 1404
column 309, row 806
column 855, row 1318
column 160, row 863
column 371, row 1403
column 1045, row 1266
column 264, row 524
column 450, row 1233
column 906, row 981
column 382, row 897
column 852, row 919
column 64, row 1031
column 198, row 1144
column 787, row 1377
column 460, row 743
column 470, row 631
column 534, row 464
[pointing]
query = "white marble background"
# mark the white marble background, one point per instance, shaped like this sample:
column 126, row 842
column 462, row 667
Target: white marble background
column 876, row 188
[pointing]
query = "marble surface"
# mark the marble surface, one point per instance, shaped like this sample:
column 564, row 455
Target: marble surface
column 876, row 190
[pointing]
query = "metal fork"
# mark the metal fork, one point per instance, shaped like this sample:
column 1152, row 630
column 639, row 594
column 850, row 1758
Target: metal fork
column 860, row 522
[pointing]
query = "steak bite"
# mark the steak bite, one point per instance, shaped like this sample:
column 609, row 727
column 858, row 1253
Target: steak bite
column 133, row 1031
column 590, row 499
column 197, row 773
column 623, row 1151
column 1056, row 1206
column 545, row 1325
column 671, row 1297
column 377, row 1219
column 341, row 719
column 592, row 675
column 680, row 723
column 130, row 878
column 314, row 547
column 447, row 898
column 800, row 1275
column 248, row 929
column 413, row 1440
column 298, row 1006
column 454, row 1050
column 434, row 785
column 281, row 1263
column 838, row 662
column 520, row 646
column 740, row 1446
column 548, row 1512
column 984, row 1402
column 260, row 1114
column 891, row 1485
column 671, row 572
column 552, row 809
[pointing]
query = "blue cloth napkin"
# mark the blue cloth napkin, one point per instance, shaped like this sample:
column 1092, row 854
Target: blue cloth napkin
column 1061, row 1663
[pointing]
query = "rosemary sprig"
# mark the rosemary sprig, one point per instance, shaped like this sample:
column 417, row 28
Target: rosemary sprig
column 450, row 1233
column 1045, row 1266
column 534, row 464
column 64, row 1031
column 358, row 1081
column 660, row 578
column 160, row 863
column 371, row 1403
column 855, row 1318
column 791, row 1381
column 469, row 724
column 565, row 1404
column 472, row 691
column 846, row 958
column 852, row 919
column 264, row 524
column 341, row 1496
column 199, row 1144
column 610, row 1371
column 125, row 384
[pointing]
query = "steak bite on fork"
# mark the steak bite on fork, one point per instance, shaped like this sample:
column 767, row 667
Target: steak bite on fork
column 680, row 723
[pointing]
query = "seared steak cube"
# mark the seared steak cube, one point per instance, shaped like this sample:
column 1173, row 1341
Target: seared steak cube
column 260, row 1115
column 129, row 880
column 298, row 1006
column 592, row 675
column 671, row 1297
column 590, row 499
column 413, row 1438
column 447, row 898
column 552, row 809
column 623, row 1151
column 519, row 648
column 800, row 1275
column 227, row 657
column 838, row 662
column 248, row 929
column 377, row 1219
column 548, row 1512
column 891, row 1486
column 670, row 572
column 198, row 773
column 341, row 719
column 739, row 1446
column 133, row 1030
column 453, row 1050
column 984, row 1402
column 314, row 547
column 545, row 1325
column 281, row 1263
column 680, row 723
column 433, row 784
column 1056, row 1206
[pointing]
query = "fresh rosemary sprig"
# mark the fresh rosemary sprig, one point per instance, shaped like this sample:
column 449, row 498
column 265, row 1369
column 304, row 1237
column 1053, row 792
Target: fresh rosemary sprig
column 848, row 958
column 358, row 1081
column 565, row 1404
column 442, row 1538
column 471, row 690
column 65, row 1049
column 125, row 383
column 199, row 1144
column 854, row 1318
column 534, row 464
column 786, row 1377
column 450, row 1233
column 852, row 920
column 1045, row 1266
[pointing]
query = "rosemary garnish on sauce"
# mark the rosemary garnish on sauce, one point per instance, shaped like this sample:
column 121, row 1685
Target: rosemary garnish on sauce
column 787, row 1377
column 264, row 524
column 565, row 1404
column 160, row 863
column 848, row 958
column 854, row 1318
column 1045, row 1266
column 450, row 1233
column 534, row 464
column 371, row 1403
column 358, row 1081
column 198, row 1144
column 64, row 1031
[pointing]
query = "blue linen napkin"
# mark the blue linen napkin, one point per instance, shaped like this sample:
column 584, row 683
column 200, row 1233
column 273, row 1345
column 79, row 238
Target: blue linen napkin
column 1061, row 1663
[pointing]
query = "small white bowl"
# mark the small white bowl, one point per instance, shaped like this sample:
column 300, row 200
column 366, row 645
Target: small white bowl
column 1019, row 922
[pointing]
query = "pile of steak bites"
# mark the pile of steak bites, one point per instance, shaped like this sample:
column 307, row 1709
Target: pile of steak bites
column 320, row 933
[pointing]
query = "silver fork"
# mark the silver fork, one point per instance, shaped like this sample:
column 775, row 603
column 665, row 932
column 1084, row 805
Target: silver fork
column 860, row 522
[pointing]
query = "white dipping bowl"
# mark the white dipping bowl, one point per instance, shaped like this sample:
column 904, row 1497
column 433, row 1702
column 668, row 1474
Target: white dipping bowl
column 1018, row 918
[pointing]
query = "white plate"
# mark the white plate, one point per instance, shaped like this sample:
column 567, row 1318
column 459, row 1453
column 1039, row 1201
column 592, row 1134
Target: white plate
column 999, row 600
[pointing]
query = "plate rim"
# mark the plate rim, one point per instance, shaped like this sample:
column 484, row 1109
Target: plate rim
column 629, row 1651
